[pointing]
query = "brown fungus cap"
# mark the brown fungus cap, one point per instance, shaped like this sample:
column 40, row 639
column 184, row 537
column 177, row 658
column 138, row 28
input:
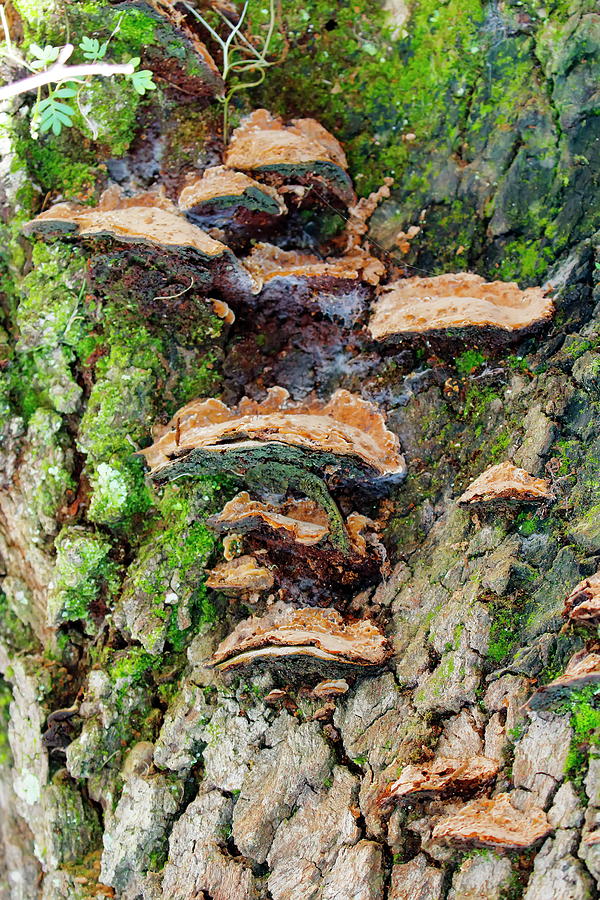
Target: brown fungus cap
column 303, row 520
column 240, row 575
column 462, row 301
column 220, row 185
column 320, row 634
column 151, row 221
column 582, row 606
column 346, row 427
column 494, row 823
column 302, row 152
column 337, row 287
column 506, row 483
column 442, row 777
column 582, row 670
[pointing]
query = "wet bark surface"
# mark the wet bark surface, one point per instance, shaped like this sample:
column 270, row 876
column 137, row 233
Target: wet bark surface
column 130, row 766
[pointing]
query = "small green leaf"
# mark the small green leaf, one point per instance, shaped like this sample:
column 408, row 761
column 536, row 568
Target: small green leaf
column 44, row 56
column 134, row 61
column 142, row 81
column 64, row 92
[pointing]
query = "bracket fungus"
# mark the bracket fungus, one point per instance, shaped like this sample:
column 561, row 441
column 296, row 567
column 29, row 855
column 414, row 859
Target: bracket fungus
column 313, row 639
column 302, row 153
column 494, row 823
column 297, row 536
column 222, row 198
column 281, row 446
column 241, row 575
column 582, row 670
column 151, row 223
column 506, row 483
column 582, row 606
column 463, row 302
column 440, row 778
column 290, row 279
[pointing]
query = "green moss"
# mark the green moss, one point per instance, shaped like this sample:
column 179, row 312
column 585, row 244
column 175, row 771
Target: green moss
column 468, row 361
column 49, row 312
column 5, row 700
column 585, row 721
column 83, row 570
column 340, row 65
column 505, row 632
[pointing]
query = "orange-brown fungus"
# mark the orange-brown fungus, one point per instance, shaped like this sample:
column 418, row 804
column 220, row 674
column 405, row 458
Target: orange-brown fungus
column 582, row 606
column 318, row 633
column 505, row 482
column 442, row 777
column 303, row 520
column 300, row 152
column 494, row 823
column 263, row 140
column 344, row 426
column 267, row 261
column 220, row 183
column 240, row 575
column 146, row 218
column 414, row 306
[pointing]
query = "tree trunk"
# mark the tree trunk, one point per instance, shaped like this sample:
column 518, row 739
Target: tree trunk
column 131, row 766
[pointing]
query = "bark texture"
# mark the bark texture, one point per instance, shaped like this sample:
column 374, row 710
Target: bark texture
column 129, row 768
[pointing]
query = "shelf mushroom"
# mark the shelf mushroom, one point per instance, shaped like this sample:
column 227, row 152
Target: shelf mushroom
column 461, row 303
column 582, row 606
column 311, row 639
column 440, row 778
column 241, row 575
column 505, row 483
column 280, row 446
column 290, row 279
column 302, row 157
column 223, row 198
column 151, row 223
column 494, row 823
column 297, row 537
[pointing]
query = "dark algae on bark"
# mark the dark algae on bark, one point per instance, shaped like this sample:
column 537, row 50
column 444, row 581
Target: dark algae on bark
column 299, row 489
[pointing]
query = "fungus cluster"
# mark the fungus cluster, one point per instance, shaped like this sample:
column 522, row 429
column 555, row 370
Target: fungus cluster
column 294, row 543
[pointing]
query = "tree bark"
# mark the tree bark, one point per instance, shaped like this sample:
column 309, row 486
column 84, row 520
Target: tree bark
column 130, row 766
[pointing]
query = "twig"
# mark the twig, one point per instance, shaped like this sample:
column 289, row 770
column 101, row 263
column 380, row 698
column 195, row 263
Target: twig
column 178, row 294
column 59, row 72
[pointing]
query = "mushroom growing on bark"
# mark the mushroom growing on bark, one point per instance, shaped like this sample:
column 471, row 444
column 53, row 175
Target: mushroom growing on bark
column 281, row 446
column 242, row 575
column 582, row 606
column 494, row 823
column 222, row 198
column 297, row 536
column 442, row 777
column 583, row 669
column 312, row 639
column 506, row 483
column 462, row 302
column 290, row 279
column 301, row 154
column 151, row 223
